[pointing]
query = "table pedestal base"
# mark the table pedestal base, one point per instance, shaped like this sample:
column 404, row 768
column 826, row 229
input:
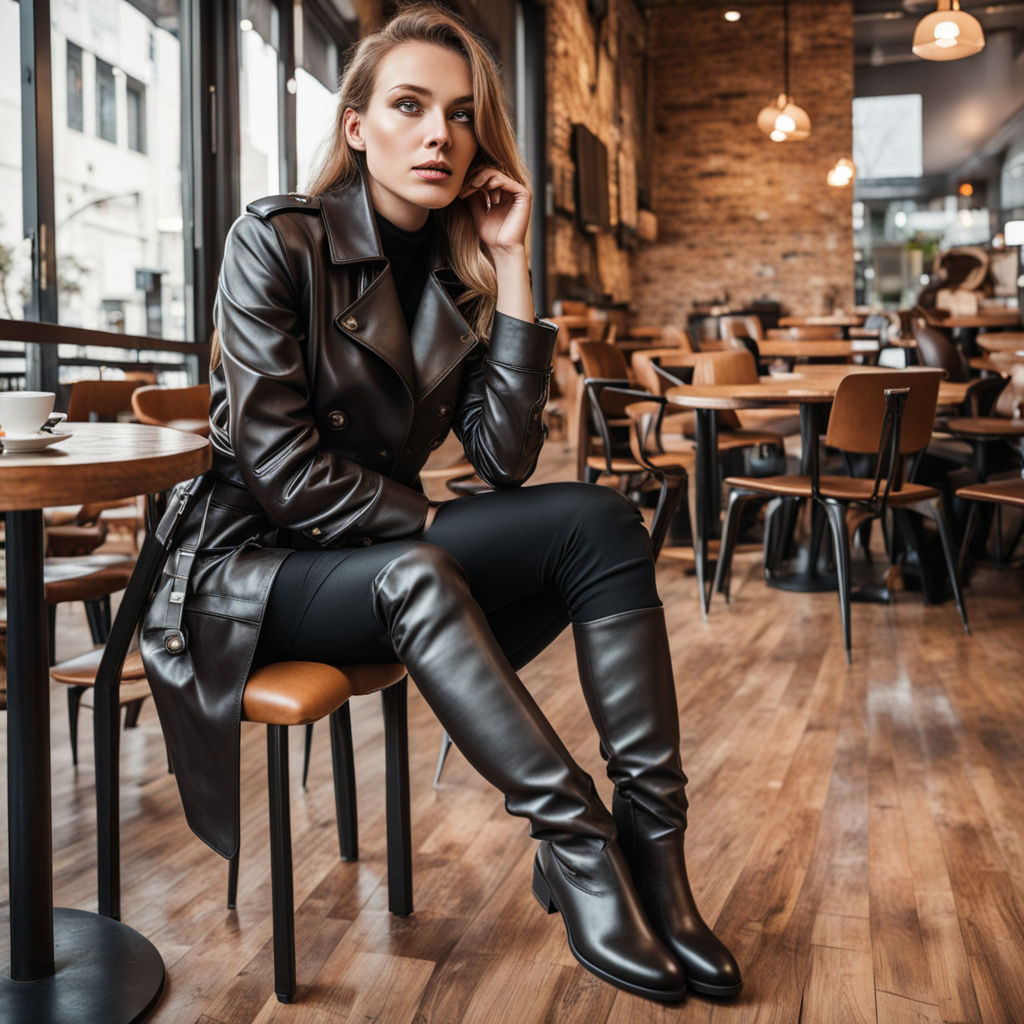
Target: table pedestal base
column 106, row 974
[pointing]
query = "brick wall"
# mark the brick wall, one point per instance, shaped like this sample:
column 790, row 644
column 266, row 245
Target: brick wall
column 594, row 77
column 737, row 214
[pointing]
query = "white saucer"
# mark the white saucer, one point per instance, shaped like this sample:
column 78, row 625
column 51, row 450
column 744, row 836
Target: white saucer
column 34, row 442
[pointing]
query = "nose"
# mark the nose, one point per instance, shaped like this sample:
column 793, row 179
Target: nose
column 438, row 132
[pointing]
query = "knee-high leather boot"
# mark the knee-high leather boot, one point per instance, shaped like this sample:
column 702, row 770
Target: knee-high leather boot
column 423, row 601
column 626, row 672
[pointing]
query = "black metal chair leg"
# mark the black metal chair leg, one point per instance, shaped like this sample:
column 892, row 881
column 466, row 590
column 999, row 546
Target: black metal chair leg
column 281, row 891
column 442, row 756
column 51, row 634
column 344, row 783
column 396, row 746
column 836, row 516
column 97, row 612
column 131, row 713
column 74, row 700
column 723, row 571
column 306, row 754
column 233, row 882
column 935, row 511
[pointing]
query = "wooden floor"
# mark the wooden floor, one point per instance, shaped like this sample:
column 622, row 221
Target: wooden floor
column 857, row 835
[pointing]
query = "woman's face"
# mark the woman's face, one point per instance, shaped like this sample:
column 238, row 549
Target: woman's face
column 417, row 132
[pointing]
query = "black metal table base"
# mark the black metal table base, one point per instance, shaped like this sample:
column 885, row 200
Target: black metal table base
column 106, row 973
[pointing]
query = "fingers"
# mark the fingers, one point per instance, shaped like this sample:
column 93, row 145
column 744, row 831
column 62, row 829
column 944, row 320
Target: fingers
column 492, row 185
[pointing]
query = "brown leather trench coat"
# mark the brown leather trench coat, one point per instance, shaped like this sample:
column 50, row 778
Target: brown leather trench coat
column 323, row 411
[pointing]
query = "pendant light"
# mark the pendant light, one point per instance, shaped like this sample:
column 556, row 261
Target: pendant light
column 842, row 174
column 948, row 33
column 782, row 120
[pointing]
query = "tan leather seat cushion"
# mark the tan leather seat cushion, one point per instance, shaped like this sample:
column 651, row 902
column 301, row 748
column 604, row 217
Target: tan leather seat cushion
column 299, row 692
column 81, row 671
column 845, row 488
column 1005, row 492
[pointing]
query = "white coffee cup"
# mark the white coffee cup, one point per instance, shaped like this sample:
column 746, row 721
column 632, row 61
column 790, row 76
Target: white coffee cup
column 24, row 412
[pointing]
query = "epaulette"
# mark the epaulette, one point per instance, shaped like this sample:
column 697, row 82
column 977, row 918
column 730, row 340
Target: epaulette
column 268, row 206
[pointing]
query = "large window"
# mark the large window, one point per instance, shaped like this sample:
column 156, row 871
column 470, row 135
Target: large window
column 887, row 137
column 259, row 89
column 15, row 253
column 118, row 208
column 316, row 96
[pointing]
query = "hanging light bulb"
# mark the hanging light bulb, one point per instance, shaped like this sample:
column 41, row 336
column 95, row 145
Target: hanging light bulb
column 948, row 33
column 782, row 120
column 842, row 174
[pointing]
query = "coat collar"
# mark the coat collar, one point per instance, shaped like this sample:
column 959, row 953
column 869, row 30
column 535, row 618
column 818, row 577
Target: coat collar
column 352, row 229
column 441, row 338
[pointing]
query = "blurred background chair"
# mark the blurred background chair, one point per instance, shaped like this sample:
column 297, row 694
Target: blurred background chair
column 186, row 408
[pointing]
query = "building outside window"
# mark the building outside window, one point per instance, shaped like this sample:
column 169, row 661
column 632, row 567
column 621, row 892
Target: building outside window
column 106, row 101
column 76, row 119
column 135, row 95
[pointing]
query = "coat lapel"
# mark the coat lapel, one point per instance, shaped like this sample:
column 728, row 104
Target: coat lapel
column 440, row 339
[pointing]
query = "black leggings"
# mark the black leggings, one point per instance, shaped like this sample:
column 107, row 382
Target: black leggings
column 537, row 558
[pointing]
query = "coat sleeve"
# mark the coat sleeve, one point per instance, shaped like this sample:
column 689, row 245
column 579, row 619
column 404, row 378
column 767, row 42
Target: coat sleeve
column 273, row 435
column 498, row 419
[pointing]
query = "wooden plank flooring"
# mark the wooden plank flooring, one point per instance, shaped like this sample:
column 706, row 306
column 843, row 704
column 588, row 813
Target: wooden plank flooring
column 856, row 833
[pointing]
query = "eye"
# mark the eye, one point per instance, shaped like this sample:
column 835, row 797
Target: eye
column 463, row 116
column 407, row 106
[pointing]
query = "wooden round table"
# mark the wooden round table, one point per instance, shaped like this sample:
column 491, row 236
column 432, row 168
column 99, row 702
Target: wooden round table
column 102, row 970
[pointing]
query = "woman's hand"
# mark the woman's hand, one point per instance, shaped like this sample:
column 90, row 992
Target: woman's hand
column 500, row 207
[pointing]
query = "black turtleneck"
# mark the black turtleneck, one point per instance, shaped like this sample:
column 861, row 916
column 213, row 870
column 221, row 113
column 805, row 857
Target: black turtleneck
column 408, row 252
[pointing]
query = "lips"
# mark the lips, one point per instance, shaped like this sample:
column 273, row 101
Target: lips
column 433, row 172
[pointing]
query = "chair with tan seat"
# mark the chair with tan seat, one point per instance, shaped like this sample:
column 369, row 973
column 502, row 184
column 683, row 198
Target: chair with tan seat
column 79, row 676
column 888, row 415
column 300, row 693
column 1008, row 493
column 598, row 361
column 186, row 408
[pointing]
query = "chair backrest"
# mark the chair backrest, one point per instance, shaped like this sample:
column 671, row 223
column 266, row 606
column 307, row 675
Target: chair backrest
column 572, row 307
column 858, row 412
column 159, row 406
column 676, row 337
column 100, row 401
column 648, row 371
column 935, row 349
column 735, row 326
column 600, row 360
column 733, row 366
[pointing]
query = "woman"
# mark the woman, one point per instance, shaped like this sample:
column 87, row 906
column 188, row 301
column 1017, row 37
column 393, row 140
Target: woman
column 342, row 364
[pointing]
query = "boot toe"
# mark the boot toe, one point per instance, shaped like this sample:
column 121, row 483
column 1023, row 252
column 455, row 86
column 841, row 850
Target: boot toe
column 710, row 970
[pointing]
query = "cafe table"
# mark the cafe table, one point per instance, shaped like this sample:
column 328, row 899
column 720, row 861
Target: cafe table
column 790, row 349
column 813, row 392
column 1003, row 341
column 68, row 965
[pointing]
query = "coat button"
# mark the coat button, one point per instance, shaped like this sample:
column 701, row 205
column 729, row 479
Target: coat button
column 315, row 532
column 466, row 338
column 366, row 541
column 350, row 323
column 443, row 411
column 383, row 453
column 337, row 419
column 175, row 643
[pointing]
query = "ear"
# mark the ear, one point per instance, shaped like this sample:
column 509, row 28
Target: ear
column 353, row 126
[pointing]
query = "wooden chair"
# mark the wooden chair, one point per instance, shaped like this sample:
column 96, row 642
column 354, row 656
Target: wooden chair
column 79, row 676
column 300, row 693
column 185, row 408
column 598, row 360
column 889, row 415
column 100, row 401
column 1007, row 493
column 934, row 348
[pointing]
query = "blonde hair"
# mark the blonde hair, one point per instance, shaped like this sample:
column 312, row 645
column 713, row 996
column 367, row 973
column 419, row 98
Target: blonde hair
column 340, row 166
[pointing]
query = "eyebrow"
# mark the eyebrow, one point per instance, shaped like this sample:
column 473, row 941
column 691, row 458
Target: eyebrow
column 421, row 91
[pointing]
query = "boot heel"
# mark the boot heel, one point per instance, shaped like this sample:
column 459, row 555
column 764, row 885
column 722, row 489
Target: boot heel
column 541, row 890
